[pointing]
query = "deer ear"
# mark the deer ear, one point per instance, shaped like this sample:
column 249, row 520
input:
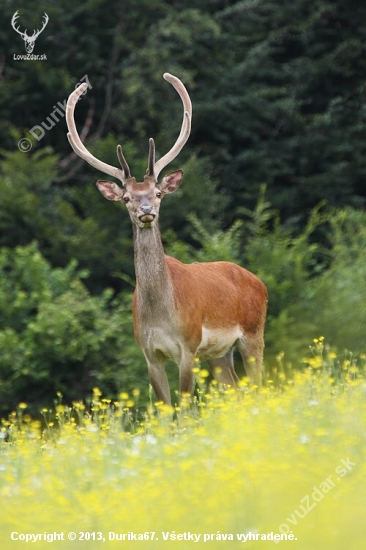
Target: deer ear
column 110, row 190
column 171, row 182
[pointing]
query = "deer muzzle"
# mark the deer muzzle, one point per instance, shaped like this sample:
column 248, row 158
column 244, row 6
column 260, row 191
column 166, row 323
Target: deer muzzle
column 147, row 214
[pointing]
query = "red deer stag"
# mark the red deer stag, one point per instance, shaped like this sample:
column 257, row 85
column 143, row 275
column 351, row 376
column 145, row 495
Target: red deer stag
column 180, row 311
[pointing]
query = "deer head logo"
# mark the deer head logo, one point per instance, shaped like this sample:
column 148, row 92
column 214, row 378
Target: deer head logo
column 28, row 40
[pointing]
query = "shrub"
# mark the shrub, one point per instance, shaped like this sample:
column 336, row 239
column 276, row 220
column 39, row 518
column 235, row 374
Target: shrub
column 55, row 336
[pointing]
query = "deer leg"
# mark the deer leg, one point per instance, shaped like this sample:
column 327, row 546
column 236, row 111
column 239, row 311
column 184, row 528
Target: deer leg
column 222, row 369
column 159, row 379
column 251, row 351
column 186, row 376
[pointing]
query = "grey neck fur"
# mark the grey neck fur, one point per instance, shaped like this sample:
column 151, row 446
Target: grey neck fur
column 154, row 286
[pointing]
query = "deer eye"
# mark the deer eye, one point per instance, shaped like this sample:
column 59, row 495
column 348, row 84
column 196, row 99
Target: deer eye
column 158, row 194
column 126, row 199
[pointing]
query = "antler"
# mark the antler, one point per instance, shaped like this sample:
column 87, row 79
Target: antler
column 154, row 168
column 38, row 32
column 186, row 124
column 77, row 144
column 151, row 162
column 13, row 21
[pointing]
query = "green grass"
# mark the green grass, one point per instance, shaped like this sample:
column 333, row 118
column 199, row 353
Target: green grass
column 227, row 464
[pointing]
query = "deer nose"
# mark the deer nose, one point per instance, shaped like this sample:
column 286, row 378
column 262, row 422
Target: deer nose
column 146, row 208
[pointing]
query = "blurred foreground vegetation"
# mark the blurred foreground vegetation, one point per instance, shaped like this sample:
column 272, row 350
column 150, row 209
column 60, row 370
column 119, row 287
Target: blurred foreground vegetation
column 215, row 468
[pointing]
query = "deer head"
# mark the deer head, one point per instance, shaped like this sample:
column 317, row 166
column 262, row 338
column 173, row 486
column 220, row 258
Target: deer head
column 141, row 198
column 28, row 40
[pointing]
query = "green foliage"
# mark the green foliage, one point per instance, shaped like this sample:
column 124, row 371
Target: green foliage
column 286, row 263
column 55, row 336
column 286, row 103
column 337, row 299
column 278, row 90
column 67, row 222
column 215, row 246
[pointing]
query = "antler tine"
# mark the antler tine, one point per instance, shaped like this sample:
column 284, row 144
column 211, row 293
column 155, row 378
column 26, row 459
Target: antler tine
column 123, row 163
column 37, row 32
column 186, row 124
column 14, row 21
column 151, row 163
column 46, row 19
column 14, row 18
column 76, row 142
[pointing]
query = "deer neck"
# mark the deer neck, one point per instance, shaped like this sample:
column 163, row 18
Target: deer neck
column 153, row 282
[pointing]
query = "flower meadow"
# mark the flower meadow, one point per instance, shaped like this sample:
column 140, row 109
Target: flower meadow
column 284, row 466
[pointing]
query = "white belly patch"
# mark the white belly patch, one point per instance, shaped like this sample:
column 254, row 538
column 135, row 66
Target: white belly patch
column 216, row 342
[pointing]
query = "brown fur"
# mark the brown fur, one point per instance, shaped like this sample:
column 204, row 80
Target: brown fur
column 217, row 294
